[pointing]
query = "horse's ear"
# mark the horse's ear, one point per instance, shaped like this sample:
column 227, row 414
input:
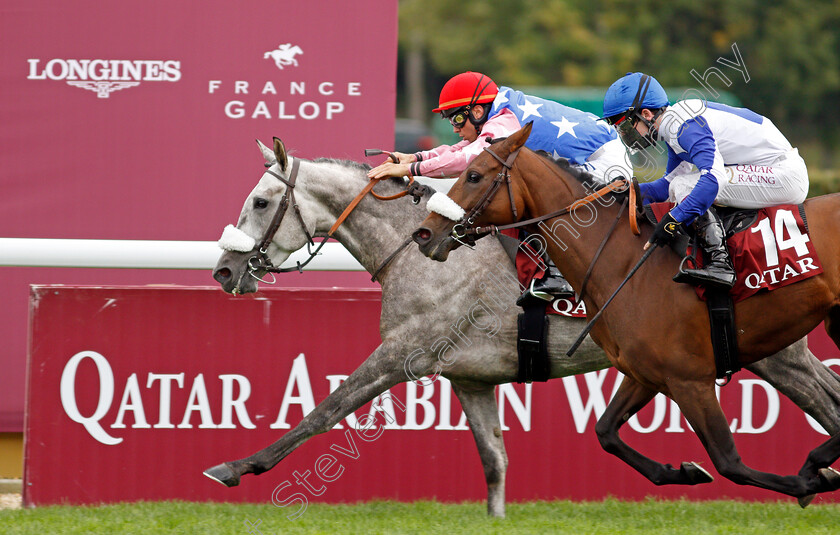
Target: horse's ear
column 518, row 139
column 270, row 159
column 280, row 153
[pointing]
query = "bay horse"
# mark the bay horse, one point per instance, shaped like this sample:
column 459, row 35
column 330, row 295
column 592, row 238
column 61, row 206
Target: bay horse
column 420, row 301
column 655, row 332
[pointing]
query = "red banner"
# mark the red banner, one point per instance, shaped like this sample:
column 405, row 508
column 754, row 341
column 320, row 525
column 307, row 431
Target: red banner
column 137, row 121
column 138, row 390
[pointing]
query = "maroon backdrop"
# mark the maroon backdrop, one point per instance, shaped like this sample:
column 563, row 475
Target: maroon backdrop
column 133, row 392
column 173, row 155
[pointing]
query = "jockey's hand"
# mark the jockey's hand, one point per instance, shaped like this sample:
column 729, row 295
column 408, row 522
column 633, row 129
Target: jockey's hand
column 389, row 169
column 665, row 231
column 403, row 157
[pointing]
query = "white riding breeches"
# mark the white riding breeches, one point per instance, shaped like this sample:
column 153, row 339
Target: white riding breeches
column 784, row 181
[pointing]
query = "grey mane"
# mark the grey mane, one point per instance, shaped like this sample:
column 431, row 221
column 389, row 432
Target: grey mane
column 344, row 163
column 397, row 183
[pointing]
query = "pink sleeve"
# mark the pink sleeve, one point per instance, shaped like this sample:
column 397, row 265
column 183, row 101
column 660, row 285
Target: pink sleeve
column 437, row 151
column 452, row 162
column 449, row 161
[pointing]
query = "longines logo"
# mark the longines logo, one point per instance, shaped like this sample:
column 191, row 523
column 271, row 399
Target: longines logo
column 103, row 76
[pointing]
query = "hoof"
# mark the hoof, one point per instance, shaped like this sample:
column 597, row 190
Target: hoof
column 831, row 477
column 223, row 474
column 696, row 475
column 804, row 501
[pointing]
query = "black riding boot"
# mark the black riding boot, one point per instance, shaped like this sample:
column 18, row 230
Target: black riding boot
column 552, row 285
column 718, row 271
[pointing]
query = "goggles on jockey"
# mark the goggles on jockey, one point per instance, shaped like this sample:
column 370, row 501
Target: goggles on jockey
column 626, row 127
column 625, row 122
column 459, row 118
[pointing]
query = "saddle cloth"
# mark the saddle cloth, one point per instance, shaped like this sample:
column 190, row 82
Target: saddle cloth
column 773, row 252
column 528, row 269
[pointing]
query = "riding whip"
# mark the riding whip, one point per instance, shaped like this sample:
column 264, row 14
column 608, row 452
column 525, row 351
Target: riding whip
column 591, row 323
column 377, row 152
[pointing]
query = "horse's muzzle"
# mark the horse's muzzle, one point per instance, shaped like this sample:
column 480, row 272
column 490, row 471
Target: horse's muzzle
column 436, row 248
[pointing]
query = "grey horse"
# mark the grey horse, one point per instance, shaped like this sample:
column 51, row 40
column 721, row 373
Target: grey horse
column 456, row 318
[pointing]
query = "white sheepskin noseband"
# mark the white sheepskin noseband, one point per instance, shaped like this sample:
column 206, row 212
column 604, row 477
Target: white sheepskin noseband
column 234, row 239
column 441, row 204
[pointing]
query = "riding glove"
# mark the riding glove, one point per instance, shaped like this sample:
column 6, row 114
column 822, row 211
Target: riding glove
column 665, row 231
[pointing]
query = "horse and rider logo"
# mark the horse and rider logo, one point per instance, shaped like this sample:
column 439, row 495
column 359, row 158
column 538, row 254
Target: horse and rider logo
column 284, row 55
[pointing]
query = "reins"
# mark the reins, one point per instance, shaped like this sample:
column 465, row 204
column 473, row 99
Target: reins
column 600, row 193
column 601, row 249
column 410, row 189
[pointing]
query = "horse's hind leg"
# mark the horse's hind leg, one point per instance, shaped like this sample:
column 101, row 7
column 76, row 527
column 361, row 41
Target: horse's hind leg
column 802, row 377
column 629, row 399
column 699, row 405
column 479, row 405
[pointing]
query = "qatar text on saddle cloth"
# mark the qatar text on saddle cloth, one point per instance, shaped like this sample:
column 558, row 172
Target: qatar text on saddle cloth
column 773, row 252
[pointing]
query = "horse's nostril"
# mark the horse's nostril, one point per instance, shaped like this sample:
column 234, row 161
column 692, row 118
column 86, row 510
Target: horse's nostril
column 222, row 274
column 422, row 235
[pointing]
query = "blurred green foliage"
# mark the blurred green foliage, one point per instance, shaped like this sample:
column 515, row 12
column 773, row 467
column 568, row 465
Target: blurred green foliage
column 791, row 50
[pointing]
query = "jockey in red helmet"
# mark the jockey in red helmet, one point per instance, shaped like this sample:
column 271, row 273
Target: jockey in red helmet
column 479, row 111
column 461, row 96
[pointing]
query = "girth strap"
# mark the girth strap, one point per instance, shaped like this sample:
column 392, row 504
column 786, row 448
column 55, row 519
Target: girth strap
column 532, row 345
column 723, row 333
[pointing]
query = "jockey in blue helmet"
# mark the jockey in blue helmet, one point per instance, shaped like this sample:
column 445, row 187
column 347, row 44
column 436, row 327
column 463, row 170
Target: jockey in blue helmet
column 626, row 99
column 710, row 146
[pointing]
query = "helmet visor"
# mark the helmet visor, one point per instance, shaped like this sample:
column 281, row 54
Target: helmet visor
column 626, row 127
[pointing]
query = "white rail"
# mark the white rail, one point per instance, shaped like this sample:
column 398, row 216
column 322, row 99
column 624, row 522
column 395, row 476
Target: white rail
column 146, row 254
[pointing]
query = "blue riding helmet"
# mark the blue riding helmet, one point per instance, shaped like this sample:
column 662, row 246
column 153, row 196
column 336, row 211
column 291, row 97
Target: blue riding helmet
column 623, row 104
column 634, row 91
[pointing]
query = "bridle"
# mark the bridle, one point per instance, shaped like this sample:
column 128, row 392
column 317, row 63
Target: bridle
column 503, row 177
column 262, row 262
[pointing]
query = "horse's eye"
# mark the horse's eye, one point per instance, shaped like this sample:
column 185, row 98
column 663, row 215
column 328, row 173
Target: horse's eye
column 473, row 177
column 260, row 203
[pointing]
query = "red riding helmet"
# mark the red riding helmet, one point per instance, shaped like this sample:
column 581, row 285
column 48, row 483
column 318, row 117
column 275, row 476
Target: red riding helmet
column 466, row 89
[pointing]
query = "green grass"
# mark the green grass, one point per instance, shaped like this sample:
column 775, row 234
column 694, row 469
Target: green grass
column 607, row 517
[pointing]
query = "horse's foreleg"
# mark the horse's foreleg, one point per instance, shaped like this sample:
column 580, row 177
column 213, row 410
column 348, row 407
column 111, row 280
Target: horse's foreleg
column 629, row 399
column 699, row 405
column 479, row 404
column 382, row 370
column 799, row 375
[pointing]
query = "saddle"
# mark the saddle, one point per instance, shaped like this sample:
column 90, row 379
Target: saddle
column 749, row 259
column 734, row 220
